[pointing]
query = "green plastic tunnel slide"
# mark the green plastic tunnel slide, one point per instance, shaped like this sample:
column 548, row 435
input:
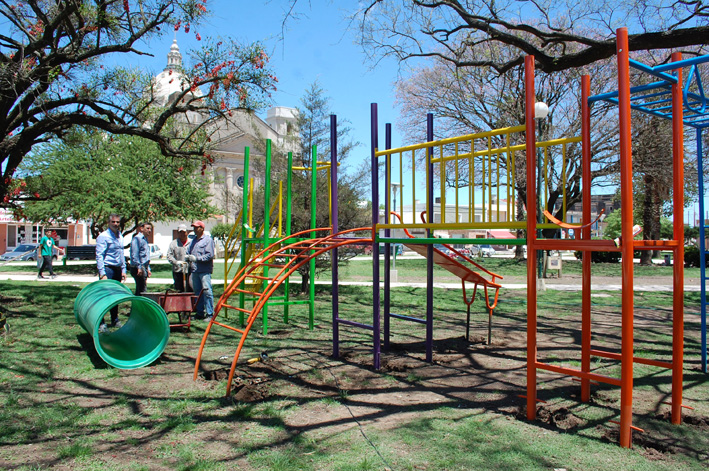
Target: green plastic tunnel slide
column 143, row 336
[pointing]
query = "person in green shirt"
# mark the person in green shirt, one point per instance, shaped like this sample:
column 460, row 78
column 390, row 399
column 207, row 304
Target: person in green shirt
column 46, row 250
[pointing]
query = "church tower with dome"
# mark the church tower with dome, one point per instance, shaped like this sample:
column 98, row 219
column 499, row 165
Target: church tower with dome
column 170, row 81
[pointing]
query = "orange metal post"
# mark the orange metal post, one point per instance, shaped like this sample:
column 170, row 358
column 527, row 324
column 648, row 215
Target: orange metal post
column 530, row 99
column 626, row 192
column 678, row 235
column 586, row 234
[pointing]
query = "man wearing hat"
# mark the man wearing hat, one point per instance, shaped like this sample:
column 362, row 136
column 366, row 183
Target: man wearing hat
column 176, row 256
column 200, row 255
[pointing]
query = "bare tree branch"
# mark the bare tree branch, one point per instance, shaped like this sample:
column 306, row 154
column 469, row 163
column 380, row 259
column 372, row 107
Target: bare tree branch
column 560, row 34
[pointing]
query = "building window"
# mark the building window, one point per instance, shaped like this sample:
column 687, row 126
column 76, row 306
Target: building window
column 240, row 182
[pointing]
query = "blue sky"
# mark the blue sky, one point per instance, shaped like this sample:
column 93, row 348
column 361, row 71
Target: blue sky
column 315, row 45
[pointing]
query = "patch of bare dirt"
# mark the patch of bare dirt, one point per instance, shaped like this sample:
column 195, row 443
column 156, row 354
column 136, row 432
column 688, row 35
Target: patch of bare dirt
column 561, row 418
column 695, row 420
column 651, row 447
column 245, row 387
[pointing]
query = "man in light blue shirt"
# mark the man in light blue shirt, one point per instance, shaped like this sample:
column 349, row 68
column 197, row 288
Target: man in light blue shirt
column 110, row 261
column 140, row 257
column 200, row 254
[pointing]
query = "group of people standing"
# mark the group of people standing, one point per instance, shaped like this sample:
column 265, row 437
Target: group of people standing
column 192, row 263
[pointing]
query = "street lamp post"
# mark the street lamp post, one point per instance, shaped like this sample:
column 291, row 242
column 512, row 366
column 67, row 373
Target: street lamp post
column 541, row 110
column 395, row 186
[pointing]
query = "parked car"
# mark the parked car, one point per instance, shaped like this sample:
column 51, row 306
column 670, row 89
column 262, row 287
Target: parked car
column 155, row 252
column 487, row 250
column 465, row 252
column 25, row 252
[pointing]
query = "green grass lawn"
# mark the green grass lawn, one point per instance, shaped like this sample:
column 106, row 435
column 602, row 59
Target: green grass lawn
column 409, row 270
column 62, row 407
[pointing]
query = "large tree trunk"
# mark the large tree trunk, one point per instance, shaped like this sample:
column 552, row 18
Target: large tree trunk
column 651, row 207
column 519, row 250
column 304, row 280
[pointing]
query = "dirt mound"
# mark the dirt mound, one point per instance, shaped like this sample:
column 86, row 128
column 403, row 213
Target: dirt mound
column 699, row 421
column 216, row 375
column 561, row 418
column 651, row 447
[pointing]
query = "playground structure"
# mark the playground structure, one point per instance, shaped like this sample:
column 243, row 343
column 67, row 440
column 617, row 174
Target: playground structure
column 490, row 158
column 245, row 241
column 670, row 98
column 268, row 260
column 284, row 253
column 496, row 153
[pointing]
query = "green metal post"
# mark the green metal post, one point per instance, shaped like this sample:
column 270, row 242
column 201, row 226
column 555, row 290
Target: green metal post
column 289, row 183
column 267, row 225
column 244, row 220
column 313, row 212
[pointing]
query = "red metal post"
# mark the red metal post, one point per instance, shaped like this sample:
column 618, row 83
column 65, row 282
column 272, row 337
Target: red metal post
column 530, row 100
column 586, row 234
column 678, row 235
column 626, row 205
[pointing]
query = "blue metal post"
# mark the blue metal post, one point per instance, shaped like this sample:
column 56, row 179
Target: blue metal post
column 702, row 248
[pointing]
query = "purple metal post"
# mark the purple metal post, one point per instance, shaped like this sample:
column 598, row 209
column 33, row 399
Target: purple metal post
column 429, row 249
column 375, row 244
column 387, row 234
column 333, row 258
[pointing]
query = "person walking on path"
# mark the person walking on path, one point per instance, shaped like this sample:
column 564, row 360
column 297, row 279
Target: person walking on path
column 110, row 261
column 140, row 258
column 46, row 251
column 176, row 256
column 200, row 254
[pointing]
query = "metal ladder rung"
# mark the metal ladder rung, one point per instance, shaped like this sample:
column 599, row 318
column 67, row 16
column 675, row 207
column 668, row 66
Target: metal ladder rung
column 258, row 277
column 228, row 327
column 245, row 291
column 237, row 308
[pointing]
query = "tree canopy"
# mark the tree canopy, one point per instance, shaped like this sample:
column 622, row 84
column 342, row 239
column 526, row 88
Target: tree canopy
column 560, row 34
column 613, row 222
column 89, row 175
column 56, row 72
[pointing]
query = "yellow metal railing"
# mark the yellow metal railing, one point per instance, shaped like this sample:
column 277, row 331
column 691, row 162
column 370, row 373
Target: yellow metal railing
column 490, row 159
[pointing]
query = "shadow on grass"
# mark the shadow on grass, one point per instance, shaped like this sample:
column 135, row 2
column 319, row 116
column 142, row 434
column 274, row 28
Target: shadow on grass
column 302, row 389
column 87, row 345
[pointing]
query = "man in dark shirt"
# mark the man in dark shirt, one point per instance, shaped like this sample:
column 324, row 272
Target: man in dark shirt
column 200, row 254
